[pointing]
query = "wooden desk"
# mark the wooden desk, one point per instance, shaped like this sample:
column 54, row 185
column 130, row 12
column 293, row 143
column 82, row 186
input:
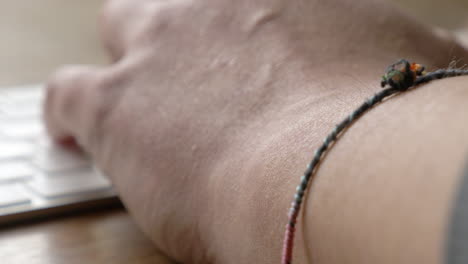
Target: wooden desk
column 108, row 236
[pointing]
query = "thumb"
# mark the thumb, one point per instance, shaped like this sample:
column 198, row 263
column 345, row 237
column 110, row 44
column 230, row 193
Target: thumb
column 74, row 103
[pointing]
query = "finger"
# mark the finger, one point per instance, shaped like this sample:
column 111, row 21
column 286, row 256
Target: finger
column 72, row 103
column 118, row 23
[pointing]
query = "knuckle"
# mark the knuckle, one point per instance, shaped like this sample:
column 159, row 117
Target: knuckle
column 155, row 20
column 161, row 16
column 102, row 100
column 104, row 97
column 112, row 8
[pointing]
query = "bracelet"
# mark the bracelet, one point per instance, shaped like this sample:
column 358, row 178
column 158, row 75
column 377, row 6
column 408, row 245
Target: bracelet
column 400, row 77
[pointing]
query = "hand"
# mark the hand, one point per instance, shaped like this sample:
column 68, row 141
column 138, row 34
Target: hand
column 202, row 94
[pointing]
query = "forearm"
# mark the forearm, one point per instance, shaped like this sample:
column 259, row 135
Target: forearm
column 382, row 194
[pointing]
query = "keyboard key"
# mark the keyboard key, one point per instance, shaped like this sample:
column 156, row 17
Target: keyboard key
column 24, row 129
column 14, row 111
column 58, row 159
column 32, row 166
column 15, row 170
column 85, row 181
column 15, row 149
column 33, row 93
column 12, row 194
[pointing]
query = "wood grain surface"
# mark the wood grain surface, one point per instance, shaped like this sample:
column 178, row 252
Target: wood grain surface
column 108, row 236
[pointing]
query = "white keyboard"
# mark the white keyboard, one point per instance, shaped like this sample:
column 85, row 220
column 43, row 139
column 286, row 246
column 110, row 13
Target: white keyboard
column 39, row 178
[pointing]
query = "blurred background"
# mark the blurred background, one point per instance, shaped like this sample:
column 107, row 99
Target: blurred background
column 38, row 36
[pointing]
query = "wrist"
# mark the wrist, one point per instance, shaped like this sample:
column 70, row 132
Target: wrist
column 273, row 159
column 253, row 186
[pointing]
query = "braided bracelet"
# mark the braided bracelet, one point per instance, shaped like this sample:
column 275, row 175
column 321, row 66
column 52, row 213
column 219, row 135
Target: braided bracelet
column 399, row 76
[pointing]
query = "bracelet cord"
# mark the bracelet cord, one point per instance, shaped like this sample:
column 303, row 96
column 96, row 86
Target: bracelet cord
column 400, row 76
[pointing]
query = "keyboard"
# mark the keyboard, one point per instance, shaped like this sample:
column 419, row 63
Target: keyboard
column 37, row 177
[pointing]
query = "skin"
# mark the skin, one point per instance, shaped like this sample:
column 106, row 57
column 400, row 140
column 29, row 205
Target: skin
column 211, row 110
